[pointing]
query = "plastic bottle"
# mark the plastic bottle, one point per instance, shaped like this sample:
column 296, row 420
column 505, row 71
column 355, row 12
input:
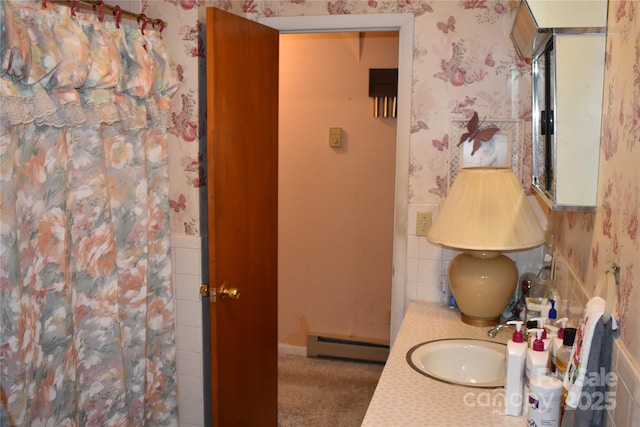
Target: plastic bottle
column 561, row 324
column 564, row 352
column 556, row 342
column 515, row 364
column 545, row 338
column 537, row 357
column 562, row 362
column 537, row 307
column 537, row 361
column 544, row 401
column 553, row 313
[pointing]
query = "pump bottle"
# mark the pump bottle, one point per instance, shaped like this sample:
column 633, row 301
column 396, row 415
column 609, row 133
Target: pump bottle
column 541, row 325
column 514, row 380
column 537, row 361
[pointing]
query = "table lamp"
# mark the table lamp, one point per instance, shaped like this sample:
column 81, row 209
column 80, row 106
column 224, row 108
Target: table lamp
column 485, row 213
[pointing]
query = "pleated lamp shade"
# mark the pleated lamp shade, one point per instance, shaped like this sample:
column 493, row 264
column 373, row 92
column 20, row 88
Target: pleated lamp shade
column 486, row 209
column 485, row 212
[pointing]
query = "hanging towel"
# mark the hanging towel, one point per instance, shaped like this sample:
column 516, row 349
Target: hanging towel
column 588, row 373
column 594, row 398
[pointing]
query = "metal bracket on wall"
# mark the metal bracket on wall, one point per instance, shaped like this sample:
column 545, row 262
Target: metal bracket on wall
column 615, row 270
column 205, row 291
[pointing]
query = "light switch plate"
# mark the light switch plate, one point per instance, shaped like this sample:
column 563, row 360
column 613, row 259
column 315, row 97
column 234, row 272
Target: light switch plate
column 423, row 223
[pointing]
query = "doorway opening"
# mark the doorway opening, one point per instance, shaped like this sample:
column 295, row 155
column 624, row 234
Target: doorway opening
column 403, row 23
column 335, row 199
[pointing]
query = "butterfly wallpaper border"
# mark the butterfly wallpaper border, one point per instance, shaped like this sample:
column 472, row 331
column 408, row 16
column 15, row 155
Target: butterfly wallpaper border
column 509, row 129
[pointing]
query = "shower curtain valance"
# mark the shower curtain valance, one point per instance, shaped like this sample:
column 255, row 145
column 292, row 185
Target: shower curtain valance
column 62, row 70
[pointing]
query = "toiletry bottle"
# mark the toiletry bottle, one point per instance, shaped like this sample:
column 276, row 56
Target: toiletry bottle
column 545, row 338
column 514, row 379
column 537, row 307
column 556, row 342
column 537, row 361
column 564, row 352
column 562, row 362
column 537, row 357
column 553, row 313
column 561, row 324
column 544, row 402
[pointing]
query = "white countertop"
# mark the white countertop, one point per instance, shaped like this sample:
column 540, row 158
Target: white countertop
column 406, row 398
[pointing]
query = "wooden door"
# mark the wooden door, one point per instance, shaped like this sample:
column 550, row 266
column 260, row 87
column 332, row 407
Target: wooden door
column 242, row 174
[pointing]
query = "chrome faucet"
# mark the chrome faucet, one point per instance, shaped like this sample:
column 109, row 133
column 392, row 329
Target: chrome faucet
column 494, row 331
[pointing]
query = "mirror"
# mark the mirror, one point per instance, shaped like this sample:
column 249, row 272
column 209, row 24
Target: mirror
column 567, row 85
column 543, row 120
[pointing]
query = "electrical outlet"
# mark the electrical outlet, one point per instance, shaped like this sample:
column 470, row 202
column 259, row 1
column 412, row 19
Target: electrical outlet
column 423, row 223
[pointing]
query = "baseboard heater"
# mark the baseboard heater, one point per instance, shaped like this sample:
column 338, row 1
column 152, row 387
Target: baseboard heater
column 347, row 348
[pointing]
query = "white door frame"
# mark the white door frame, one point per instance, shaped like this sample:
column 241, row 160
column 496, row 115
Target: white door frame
column 402, row 22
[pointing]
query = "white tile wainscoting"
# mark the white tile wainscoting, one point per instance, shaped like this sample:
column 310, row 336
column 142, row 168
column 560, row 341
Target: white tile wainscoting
column 185, row 254
column 627, row 390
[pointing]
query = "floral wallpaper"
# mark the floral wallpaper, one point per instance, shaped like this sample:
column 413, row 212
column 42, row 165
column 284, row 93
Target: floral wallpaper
column 184, row 38
column 464, row 62
column 592, row 241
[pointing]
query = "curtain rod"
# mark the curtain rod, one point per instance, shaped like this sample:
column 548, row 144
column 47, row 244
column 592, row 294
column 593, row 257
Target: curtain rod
column 118, row 12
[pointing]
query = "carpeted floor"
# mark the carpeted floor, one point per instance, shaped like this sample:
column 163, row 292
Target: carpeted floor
column 324, row 392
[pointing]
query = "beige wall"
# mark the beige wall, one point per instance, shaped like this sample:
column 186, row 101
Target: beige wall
column 335, row 204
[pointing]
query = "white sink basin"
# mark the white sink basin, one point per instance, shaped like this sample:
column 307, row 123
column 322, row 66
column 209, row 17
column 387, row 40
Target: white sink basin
column 468, row 362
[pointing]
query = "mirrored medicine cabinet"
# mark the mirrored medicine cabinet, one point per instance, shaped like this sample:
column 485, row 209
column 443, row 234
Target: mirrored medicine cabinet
column 568, row 72
column 566, row 43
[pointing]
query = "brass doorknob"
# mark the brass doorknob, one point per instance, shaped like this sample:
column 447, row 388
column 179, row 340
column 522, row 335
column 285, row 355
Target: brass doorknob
column 225, row 293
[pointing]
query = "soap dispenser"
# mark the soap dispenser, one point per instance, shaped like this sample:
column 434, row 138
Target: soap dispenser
column 515, row 364
column 562, row 325
column 541, row 325
column 537, row 364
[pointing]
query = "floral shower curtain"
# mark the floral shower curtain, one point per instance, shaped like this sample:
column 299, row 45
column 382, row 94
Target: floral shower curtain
column 87, row 322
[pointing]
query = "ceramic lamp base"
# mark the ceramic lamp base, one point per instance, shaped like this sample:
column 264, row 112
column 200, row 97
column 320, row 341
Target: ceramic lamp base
column 482, row 284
